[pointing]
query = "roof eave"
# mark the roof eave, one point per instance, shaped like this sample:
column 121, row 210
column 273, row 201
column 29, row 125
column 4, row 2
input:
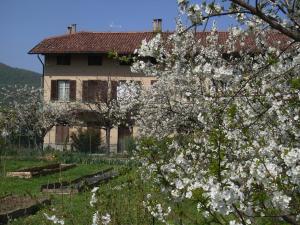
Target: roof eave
column 32, row 52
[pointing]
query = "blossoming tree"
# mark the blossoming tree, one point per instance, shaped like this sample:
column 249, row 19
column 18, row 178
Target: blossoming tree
column 113, row 104
column 27, row 112
column 221, row 124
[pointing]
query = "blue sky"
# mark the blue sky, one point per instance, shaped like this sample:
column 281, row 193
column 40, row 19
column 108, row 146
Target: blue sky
column 24, row 23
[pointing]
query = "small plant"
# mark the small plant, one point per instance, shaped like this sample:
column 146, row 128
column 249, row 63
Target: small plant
column 130, row 145
column 87, row 141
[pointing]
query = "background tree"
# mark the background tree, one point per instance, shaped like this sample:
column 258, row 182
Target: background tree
column 27, row 113
column 111, row 104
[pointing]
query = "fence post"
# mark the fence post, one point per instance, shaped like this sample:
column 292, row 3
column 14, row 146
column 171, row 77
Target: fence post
column 35, row 147
column 90, row 139
column 29, row 141
column 19, row 140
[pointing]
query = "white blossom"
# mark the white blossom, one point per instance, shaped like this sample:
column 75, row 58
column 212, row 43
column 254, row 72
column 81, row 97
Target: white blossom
column 54, row 219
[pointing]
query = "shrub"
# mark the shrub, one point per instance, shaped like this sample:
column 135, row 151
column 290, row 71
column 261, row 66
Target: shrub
column 130, row 145
column 87, row 141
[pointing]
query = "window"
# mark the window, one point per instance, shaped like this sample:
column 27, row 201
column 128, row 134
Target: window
column 94, row 60
column 94, row 90
column 63, row 90
column 63, row 59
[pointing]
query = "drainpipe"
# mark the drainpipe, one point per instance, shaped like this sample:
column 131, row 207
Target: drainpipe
column 42, row 85
column 42, row 81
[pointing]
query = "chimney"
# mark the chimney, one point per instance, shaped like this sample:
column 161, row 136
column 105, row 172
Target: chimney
column 72, row 29
column 157, row 25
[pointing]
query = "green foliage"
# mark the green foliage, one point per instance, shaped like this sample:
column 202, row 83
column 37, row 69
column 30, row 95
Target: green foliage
column 130, row 145
column 87, row 141
column 295, row 83
column 112, row 55
column 126, row 60
column 232, row 110
column 150, row 147
column 121, row 197
column 273, row 59
column 123, row 59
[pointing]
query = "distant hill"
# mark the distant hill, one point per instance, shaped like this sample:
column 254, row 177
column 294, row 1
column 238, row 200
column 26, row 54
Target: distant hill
column 16, row 76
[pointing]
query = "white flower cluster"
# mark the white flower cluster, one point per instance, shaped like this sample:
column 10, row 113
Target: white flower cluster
column 157, row 210
column 96, row 220
column 232, row 113
column 94, row 199
column 54, row 219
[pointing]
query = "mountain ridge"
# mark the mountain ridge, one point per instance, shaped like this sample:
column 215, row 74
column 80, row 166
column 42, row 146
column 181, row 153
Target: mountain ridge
column 11, row 76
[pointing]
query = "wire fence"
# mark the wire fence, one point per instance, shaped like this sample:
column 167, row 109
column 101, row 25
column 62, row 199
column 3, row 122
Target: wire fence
column 21, row 142
column 88, row 145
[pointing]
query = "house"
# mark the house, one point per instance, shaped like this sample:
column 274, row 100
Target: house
column 76, row 65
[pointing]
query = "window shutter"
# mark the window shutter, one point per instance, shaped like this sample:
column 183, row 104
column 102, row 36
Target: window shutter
column 103, row 87
column 62, row 134
column 72, row 90
column 58, row 134
column 65, row 134
column 94, row 92
column 114, row 86
column 85, row 90
column 54, row 90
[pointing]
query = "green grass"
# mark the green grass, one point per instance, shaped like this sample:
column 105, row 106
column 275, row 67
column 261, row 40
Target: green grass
column 22, row 186
column 124, row 205
column 121, row 197
column 69, row 204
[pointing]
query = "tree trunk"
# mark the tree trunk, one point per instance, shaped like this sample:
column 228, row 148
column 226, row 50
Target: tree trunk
column 107, row 140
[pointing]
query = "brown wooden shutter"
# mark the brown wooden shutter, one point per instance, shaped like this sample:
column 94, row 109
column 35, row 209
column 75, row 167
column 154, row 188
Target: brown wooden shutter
column 85, row 90
column 58, row 135
column 72, row 90
column 114, row 86
column 65, row 134
column 62, row 134
column 103, row 87
column 94, row 90
column 54, row 90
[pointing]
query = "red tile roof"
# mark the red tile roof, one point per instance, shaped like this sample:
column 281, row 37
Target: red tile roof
column 92, row 42
column 121, row 42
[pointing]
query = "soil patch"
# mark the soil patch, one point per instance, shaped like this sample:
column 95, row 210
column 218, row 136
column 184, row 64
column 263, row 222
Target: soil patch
column 13, row 206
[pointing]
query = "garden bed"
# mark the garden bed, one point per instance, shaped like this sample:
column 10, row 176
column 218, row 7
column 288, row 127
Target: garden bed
column 12, row 206
column 40, row 170
column 81, row 183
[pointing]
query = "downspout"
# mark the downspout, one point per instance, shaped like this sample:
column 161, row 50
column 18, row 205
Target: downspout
column 41, row 61
column 42, row 85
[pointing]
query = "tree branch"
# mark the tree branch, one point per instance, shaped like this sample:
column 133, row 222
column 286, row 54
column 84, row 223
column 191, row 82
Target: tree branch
column 270, row 20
